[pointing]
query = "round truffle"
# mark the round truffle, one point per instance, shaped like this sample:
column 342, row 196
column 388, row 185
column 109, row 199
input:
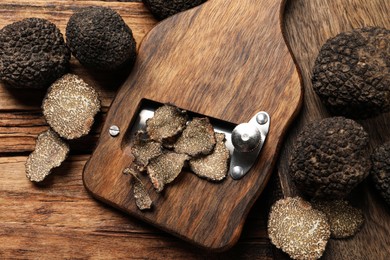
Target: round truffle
column 298, row 229
column 162, row 9
column 330, row 158
column 381, row 170
column 33, row 54
column 70, row 106
column 352, row 73
column 100, row 39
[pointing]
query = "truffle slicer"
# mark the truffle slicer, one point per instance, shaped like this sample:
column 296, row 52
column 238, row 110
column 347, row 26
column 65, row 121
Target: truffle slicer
column 226, row 60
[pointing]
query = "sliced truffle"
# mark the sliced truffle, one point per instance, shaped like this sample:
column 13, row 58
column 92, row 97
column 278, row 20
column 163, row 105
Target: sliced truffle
column 296, row 228
column 330, row 158
column 215, row 166
column 50, row 151
column 344, row 220
column 70, row 106
column 381, row 170
column 33, row 54
column 162, row 9
column 100, row 39
column 197, row 139
column 352, row 73
column 168, row 121
column 144, row 149
column 141, row 195
column 165, row 168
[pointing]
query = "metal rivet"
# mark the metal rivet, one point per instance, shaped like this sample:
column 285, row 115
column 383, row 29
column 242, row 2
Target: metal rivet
column 114, row 130
column 261, row 118
column 237, row 172
column 245, row 137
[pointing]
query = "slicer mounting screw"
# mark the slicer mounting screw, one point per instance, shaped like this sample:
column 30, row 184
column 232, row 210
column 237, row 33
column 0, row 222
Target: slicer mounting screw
column 246, row 137
column 261, row 118
column 114, row 130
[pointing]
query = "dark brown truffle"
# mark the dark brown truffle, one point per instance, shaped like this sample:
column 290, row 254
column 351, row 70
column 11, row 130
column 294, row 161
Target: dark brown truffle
column 165, row 168
column 215, row 166
column 162, row 9
column 100, row 39
column 168, row 121
column 381, row 170
column 50, row 151
column 197, row 139
column 33, row 54
column 299, row 230
column 352, row 73
column 70, row 106
column 144, row 149
column 330, row 158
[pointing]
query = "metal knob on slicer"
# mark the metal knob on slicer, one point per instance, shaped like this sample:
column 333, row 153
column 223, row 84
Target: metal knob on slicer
column 246, row 137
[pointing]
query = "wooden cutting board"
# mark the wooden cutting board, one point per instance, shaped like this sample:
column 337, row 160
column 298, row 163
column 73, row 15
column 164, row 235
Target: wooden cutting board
column 228, row 60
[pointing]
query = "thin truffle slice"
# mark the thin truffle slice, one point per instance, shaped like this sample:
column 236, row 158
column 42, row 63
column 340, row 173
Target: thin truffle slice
column 165, row 168
column 50, row 151
column 215, row 166
column 33, row 54
column 162, row 9
column 142, row 198
column 197, row 139
column 299, row 230
column 381, row 170
column 144, row 149
column 344, row 220
column 70, row 106
column 168, row 121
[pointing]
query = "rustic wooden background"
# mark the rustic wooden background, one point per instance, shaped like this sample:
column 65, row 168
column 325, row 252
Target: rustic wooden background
column 58, row 219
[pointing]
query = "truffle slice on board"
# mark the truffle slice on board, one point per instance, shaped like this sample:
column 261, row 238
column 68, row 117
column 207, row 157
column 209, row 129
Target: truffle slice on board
column 344, row 220
column 165, row 168
column 162, row 9
column 298, row 229
column 215, row 166
column 144, row 149
column 141, row 196
column 168, row 121
column 197, row 139
column 50, row 151
column 381, row 170
column 70, row 106
column 33, row 54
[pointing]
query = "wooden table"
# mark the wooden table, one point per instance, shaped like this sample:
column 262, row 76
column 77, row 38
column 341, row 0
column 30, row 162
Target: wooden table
column 58, row 219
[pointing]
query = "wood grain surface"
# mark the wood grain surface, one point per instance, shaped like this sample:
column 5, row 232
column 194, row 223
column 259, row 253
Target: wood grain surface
column 206, row 61
column 58, row 219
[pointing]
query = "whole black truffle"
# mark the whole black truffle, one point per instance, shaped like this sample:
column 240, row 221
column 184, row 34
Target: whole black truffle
column 162, row 9
column 352, row 73
column 381, row 170
column 330, row 158
column 33, row 54
column 100, row 39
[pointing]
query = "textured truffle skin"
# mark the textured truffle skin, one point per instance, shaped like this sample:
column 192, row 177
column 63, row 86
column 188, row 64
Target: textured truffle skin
column 33, row 54
column 381, row 170
column 352, row 73
column 162, row 9
column 100, row 39
column 330, row 158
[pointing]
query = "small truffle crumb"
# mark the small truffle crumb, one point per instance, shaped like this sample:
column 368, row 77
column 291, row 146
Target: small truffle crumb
column 168, row 121
column 165, row 168
column 50, row 151
column 344, row 220
column 142, row 198
column 144, row 149
column 197, row 139
column 381, row 170
column 70, row 106
column 215, row 166
column 299, row 230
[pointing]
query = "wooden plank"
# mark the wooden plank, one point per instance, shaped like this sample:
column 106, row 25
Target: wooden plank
column 58, row 218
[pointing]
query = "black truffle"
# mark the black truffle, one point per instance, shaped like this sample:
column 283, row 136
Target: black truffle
column 381, row 170
column 100, row 39
column 162, row 9
column 330, row 158
column 352, row 73
column 33, row 54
